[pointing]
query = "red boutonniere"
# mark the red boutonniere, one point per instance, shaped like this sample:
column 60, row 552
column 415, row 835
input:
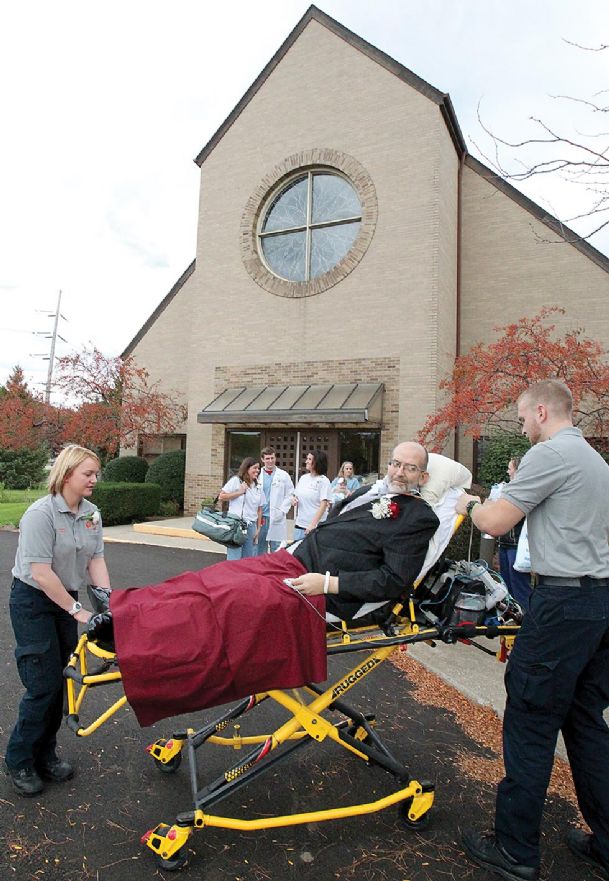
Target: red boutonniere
column 385, row 508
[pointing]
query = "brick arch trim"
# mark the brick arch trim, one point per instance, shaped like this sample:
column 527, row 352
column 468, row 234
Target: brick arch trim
column 334, row 160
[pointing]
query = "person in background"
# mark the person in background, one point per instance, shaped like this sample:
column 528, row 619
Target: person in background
column 245, row 500
column 278, row 488
column 312, row 494
column 60, row 551
column 344, row 483
column 518, row 583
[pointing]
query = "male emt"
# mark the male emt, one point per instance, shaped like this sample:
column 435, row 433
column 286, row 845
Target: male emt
column 557, row 678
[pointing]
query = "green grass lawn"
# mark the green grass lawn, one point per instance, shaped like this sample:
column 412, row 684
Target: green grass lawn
column 13, row 503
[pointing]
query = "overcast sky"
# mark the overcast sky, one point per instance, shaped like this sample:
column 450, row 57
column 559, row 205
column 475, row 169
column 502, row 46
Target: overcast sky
column 104, row 107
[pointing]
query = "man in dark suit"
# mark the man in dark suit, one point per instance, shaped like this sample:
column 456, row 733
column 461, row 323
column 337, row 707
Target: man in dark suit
column 374, row 542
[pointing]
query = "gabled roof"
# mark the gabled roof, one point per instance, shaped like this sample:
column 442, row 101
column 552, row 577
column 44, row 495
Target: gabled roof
column 159, row 309
column 560, row 229
column 314, row 14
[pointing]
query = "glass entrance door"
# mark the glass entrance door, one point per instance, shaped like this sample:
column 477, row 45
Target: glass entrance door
column 292, row 446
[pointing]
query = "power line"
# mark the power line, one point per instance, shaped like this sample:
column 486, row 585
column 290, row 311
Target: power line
column 53, row 337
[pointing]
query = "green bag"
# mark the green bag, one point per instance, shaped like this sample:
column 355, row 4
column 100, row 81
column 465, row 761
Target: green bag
column 226, row 529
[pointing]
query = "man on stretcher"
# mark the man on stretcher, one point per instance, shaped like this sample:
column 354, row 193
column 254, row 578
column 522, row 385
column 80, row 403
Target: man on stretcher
column 249, row 625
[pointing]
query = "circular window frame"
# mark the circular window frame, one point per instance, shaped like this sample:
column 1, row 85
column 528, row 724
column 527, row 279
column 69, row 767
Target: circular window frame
column 268, row 188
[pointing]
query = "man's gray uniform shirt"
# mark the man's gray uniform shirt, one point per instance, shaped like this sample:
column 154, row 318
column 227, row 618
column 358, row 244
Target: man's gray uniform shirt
column 562, row 486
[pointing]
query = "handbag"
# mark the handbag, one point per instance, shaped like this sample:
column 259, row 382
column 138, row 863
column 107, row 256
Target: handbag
column 226, row 529
column 522, row 561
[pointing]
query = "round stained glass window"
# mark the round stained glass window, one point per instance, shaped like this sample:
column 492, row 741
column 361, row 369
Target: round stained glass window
column 309, row 225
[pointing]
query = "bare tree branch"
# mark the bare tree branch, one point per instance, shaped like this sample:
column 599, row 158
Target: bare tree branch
column 575, row 159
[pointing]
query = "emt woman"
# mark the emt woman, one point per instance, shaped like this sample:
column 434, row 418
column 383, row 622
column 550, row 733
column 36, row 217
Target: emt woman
column 60, row 551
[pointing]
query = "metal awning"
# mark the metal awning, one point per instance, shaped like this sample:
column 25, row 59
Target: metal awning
column 359, row 402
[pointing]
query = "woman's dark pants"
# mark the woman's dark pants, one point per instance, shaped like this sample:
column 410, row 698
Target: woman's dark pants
column 45, row 636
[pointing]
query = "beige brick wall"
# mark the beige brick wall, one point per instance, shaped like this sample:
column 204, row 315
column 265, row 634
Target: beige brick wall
column 327, row 94
column 512, row 266
column 165, row 348
column 396, row 307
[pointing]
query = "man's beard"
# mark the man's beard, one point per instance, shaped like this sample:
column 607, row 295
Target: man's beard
column 403, row 487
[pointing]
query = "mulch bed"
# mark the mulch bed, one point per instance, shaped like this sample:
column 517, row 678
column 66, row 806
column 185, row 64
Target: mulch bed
column 480, row 723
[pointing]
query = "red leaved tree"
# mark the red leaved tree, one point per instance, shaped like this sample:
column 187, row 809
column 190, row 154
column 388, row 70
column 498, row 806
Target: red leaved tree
column 116, row 402
column 486, row 383
column 22, row 415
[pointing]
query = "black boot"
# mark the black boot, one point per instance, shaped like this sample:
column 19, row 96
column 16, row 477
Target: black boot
column 55, row 769
column 584, row 847
column 484, row 849
column 26, row 781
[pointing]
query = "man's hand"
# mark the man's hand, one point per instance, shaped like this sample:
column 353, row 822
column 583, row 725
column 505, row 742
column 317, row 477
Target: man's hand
column 463, row 501
column 496, row 517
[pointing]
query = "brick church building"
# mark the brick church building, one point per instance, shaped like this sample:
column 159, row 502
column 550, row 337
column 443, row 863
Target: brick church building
column 348, row 249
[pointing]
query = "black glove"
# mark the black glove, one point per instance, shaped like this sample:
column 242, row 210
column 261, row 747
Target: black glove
column 101, row 629
column 99, row 597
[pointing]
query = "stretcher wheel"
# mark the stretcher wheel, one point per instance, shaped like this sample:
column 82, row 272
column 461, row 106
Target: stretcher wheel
column 176, row 862
column 419, row 824
column 169, row 767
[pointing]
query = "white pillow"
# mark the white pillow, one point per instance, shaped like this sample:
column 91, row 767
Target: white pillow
column 444, row 474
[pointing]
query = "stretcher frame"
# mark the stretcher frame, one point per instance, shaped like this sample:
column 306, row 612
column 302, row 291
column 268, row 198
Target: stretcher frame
column 306, row 725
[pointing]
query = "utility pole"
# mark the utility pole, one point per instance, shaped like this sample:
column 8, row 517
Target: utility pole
column 53, row 337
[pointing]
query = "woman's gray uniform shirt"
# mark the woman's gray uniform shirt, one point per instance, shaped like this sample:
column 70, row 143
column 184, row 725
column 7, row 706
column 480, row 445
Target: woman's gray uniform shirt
column 51, row 533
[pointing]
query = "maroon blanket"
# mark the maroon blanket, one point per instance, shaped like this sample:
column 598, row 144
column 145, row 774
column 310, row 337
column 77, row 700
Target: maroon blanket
column 213, row 636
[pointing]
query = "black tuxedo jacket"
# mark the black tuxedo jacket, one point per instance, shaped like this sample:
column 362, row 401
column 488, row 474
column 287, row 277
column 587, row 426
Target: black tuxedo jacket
column 375, row 560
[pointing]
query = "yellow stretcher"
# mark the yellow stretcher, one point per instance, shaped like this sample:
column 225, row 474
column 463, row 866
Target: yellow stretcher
column 307, row 721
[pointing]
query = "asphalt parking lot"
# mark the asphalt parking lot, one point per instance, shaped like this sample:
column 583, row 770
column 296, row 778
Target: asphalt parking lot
column 89, row 829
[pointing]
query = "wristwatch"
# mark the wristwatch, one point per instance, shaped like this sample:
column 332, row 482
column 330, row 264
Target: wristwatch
column 75, row 609
column 470, row 506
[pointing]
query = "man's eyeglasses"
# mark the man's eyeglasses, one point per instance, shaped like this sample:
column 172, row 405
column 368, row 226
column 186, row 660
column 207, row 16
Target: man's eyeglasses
column 408, row 467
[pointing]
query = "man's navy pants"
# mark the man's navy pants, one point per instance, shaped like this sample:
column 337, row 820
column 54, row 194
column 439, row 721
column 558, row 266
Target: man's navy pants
column 557, row 679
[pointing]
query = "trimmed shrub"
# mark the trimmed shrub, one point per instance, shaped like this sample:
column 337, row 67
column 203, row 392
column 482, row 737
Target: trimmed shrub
column 126, row 502
column 21, row 469
column 168, row 471
column 496, row 453
column 126, row 469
